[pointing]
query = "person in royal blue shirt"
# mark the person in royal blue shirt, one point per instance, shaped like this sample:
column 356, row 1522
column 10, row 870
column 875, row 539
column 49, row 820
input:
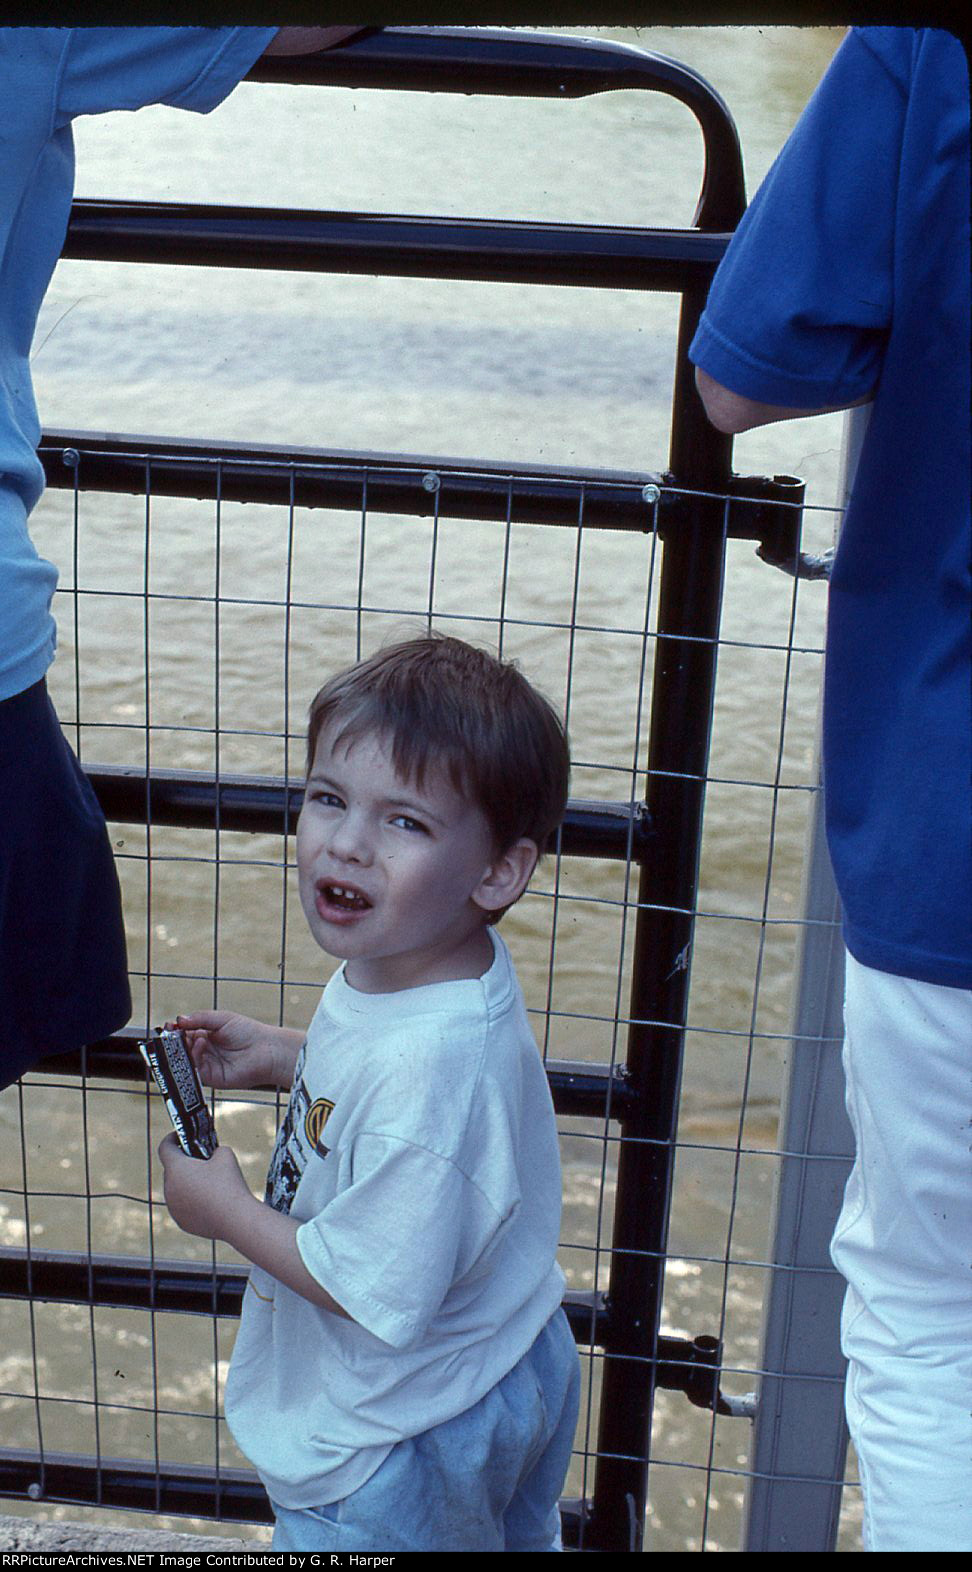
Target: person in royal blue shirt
column 63, row 969
column 848, row 282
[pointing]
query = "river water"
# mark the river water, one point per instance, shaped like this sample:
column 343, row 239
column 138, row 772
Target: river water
column 500, row 372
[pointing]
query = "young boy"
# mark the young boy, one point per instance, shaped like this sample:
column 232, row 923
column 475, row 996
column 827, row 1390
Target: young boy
column 404, row 1377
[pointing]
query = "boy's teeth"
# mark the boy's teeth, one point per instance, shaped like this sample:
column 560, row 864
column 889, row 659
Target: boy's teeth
column 344, row 896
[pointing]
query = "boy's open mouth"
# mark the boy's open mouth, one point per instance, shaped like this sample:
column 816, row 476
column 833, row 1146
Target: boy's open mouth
column 345, row 897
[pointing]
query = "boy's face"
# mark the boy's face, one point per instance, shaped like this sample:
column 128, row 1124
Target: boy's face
column 395, row 880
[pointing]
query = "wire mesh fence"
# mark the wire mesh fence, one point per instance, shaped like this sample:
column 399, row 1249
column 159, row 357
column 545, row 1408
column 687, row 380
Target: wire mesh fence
column 193, row 634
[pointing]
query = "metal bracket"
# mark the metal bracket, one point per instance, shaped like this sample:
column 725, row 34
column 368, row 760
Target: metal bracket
column 803, row 566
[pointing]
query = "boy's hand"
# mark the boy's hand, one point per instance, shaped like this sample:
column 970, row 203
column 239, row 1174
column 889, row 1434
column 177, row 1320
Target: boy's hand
column 205, row 1196
column 210, row 1197
column 233, row 1051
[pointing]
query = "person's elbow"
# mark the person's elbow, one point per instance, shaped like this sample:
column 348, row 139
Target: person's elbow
column 729, row 412
column 732, row 413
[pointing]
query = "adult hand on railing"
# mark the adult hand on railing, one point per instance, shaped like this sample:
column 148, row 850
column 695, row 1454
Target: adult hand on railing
column 309, row 40
column 232, row 1050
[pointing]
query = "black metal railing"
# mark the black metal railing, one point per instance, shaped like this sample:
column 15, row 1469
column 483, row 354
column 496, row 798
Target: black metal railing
column 695, row 507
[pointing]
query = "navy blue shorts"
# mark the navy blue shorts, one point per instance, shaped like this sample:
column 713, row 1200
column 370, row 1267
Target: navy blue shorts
column 63, row 965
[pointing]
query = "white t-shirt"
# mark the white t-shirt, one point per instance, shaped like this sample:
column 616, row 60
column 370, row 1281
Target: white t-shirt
column 420, row 1153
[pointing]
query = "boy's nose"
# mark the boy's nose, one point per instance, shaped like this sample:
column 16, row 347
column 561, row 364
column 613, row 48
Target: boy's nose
column 349, row 840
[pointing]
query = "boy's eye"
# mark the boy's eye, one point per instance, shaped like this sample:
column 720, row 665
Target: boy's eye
column 406, row 823
column 327, row 799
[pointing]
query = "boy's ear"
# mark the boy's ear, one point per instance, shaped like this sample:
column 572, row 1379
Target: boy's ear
column 507, row 876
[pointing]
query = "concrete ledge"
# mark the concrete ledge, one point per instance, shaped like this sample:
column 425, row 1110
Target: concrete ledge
column 22, row 1533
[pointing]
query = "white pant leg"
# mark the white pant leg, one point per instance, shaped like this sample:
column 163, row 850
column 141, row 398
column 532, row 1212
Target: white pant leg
column 903, row 1242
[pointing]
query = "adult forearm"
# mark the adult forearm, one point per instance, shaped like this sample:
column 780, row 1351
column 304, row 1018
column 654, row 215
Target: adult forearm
column 734, row 413
column 309, row 40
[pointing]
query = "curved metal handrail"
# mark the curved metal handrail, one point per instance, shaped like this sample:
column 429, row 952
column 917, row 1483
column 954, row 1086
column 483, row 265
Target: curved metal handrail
column 534, row 65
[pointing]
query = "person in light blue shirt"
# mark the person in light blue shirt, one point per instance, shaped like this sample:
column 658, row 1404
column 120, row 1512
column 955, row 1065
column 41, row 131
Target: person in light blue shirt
column 847, row 283
column 63, row 976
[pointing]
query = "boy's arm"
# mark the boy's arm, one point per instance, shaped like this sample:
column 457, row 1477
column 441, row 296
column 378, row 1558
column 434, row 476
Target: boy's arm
column 210, row 1197
column 231, row 1050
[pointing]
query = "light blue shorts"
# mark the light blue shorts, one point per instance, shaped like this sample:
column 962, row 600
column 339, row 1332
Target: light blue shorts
column 489, row 1479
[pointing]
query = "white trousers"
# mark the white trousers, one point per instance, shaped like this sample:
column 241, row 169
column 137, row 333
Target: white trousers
column 903, row 1242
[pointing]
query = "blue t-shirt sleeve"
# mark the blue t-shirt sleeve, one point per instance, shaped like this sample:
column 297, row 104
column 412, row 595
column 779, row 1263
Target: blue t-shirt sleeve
column 800, row 306
column 105, row 68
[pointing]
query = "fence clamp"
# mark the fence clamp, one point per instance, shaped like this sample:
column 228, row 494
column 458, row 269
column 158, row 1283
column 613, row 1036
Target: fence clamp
column 802, row 565
column 769, row 509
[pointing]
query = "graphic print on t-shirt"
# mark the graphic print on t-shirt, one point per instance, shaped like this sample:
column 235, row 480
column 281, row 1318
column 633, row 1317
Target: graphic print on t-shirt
column 297, row 1139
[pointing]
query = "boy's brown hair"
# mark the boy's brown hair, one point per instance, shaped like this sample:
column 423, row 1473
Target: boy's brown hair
column 444, row 704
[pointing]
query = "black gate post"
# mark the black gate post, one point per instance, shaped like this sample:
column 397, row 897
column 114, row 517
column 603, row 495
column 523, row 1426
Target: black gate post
column 690, row 594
